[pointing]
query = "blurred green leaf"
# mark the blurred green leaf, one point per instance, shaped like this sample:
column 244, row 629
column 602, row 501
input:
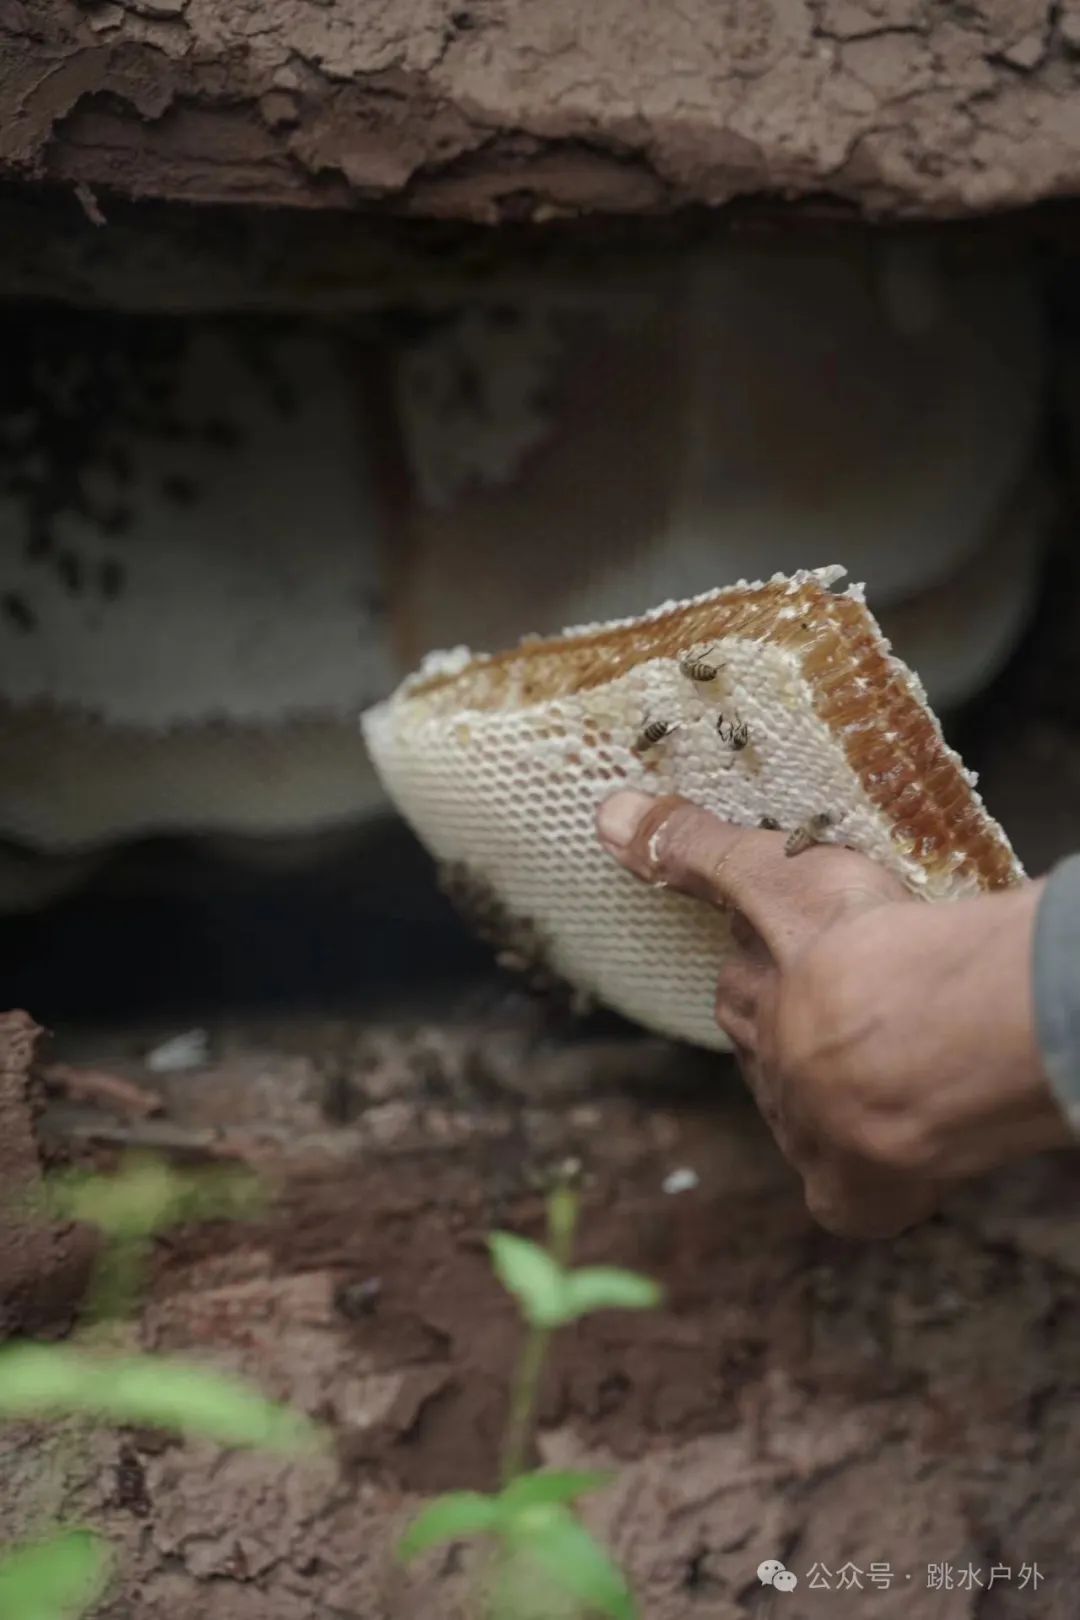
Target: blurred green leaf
column 562, row 1213
column 119, row 1274
column 148, row 1195
column 55, row 1579
column 40, row 1379
column 532, row 1276
column 518, row 1588
column 550, row 1486
column 449, row 1518
column 134, row 1203
column 572, row 1559
column 606, row 1288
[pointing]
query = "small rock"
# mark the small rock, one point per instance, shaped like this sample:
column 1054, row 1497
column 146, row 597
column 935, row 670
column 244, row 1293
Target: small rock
column 1026, row 53
column 187, row 1051
column 679, row 1181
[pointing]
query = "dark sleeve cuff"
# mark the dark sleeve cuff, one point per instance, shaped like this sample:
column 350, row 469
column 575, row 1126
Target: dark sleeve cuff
column 1056, row 969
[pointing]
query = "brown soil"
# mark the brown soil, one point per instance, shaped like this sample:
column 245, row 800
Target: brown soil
column 797, row 1398
column 42, row 1272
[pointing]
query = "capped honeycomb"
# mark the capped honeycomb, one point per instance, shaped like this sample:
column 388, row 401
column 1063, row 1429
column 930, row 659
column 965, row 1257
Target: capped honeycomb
column 776, row 700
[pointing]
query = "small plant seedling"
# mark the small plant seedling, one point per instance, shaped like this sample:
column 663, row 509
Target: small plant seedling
column 147, row 1196
column 52, row 1380
column 54, row 1579
column 537, row 1534
column 551, row 1296
column 61, row 1574
column 532, row 1519
column 130, row 1208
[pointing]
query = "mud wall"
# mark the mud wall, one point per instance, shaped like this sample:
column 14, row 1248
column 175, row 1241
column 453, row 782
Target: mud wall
column 501, row 110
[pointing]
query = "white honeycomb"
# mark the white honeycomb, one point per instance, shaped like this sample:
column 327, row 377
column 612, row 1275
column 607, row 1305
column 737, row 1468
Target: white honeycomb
column 508, row 790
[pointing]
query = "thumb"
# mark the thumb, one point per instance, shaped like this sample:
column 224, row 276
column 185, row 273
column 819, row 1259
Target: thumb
column 671, row 841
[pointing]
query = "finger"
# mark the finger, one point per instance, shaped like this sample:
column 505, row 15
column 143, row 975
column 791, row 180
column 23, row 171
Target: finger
column 740, row 1030
column 671, row 841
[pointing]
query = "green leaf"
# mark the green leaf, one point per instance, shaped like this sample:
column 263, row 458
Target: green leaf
column 54, row 1579
column 562, row 1213
column 136, row 1202
column 41, row 1379
column 606, row 1288
column 572, row 1559
column 532, row 1276
column 449, row 1518
column 516, row 1587
column 148, row 1195
column 550, row 1486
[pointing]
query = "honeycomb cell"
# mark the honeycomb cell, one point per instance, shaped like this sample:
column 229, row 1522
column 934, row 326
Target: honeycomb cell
column 508, row 787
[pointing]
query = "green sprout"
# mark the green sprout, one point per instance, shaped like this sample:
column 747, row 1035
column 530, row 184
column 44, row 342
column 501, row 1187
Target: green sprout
column 131, row 1208
column 62, row 1573
column 54, row 1579
column 532, row 1518
column 46, row 1380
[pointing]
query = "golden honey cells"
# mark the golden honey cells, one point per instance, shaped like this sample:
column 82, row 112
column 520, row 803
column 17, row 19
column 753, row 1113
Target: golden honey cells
column 804, row 721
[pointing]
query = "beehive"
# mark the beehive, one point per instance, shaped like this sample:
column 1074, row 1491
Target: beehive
column 498, row 763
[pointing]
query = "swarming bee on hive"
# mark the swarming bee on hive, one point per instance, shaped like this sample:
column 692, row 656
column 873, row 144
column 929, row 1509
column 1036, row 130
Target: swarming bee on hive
column 653, row 733
column 813, row 831
column 695, row 668
column 733, row 733
column 499, row 762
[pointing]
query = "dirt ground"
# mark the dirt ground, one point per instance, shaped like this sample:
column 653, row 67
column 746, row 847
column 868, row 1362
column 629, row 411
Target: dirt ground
column 901, row 1405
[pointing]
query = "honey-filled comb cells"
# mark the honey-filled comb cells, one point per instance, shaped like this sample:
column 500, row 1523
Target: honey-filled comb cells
column 776, row 702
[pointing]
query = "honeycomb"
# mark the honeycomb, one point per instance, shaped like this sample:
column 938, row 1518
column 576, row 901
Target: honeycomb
column 498, row 764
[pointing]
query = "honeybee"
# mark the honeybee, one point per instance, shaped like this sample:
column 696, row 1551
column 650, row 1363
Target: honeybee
column 811, row 832
column 654, row 732
column 695, row 668
column 734, row 734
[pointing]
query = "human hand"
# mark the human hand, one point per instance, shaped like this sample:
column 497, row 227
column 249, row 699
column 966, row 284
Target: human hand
column 890, row 1044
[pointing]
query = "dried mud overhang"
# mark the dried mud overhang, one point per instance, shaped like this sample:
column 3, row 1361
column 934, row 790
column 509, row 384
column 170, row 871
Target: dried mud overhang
column 485, row 110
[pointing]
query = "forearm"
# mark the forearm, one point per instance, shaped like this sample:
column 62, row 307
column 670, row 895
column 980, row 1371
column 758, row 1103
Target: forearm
column 997, row 1105
column 1056, row 985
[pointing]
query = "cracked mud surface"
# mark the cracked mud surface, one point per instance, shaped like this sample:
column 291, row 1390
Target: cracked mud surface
column 498, row 111
column 800, row 1398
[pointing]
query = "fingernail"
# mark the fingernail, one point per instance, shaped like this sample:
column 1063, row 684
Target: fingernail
column 619, row 818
